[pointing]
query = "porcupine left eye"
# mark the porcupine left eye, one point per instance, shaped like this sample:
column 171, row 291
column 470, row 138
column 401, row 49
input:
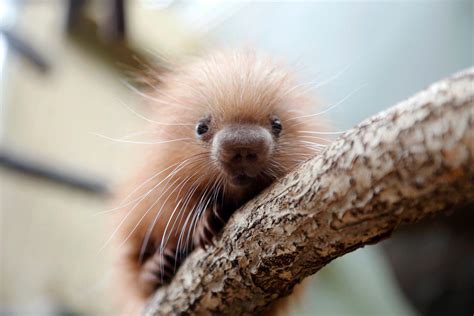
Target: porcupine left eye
column 276, row 126
column 202, row 127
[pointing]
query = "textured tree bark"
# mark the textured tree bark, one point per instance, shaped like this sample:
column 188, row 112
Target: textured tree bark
column 399, row 166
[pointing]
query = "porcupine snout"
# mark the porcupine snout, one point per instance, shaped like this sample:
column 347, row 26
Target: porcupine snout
column 242, row 151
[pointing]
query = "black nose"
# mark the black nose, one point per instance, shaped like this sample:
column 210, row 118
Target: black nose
column 243, row 149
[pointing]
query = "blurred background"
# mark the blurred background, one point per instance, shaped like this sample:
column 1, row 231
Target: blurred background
column 67, row 66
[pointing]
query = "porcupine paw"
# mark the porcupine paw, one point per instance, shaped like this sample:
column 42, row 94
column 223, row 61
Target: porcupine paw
column 208, row 226
column 159, row 269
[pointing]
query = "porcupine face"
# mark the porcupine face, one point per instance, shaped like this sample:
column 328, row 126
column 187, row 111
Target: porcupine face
column 242, row 150
column 246, row 120
column 246, row 114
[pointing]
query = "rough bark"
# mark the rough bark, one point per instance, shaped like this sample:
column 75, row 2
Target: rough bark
column 400, row 166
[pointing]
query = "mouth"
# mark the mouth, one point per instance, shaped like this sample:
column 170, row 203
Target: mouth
column 242, row 179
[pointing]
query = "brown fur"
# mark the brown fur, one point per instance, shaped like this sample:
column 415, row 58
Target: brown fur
column 234, row 88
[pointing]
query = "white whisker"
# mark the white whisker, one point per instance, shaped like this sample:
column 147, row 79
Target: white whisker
column 347, row 96
column 312, row 85
column 163, row 242
column 323, row 133
column 158, row 214
column 139, row 142
column 311, row 143
column 313, row 137
column 152, row 98
column 150, row 120
column 168, row 177
column 122, row 204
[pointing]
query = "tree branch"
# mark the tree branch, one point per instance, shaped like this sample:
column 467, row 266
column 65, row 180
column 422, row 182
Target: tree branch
column 400, row 166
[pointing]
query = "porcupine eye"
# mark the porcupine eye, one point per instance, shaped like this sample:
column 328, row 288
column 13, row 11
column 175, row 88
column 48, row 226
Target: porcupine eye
column 202, row 127
column 276, row 126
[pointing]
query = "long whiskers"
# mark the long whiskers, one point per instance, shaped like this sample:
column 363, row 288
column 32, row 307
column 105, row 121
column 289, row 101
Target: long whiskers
column 168, row 187
column 204, row 207
column 124, row 202
column 323, row 133
column 163, row 243
column 347, row 96
column 312, row 85
column 150, row 120
column 152, row 98
column 314, row 137
column 170, row 176
column 118, row 140
column 152, row 225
